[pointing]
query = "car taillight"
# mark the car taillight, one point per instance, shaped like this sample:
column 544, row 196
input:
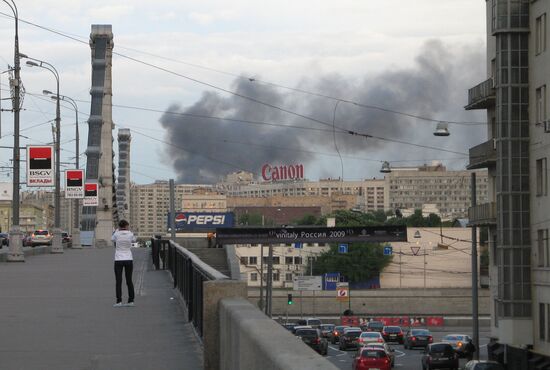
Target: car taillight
column 316, row 341
column 336, row 333
column 430, row 339
column 386, row 361
column 459, row 344
column 400, row 334
column 380, row 340
column 413, row 339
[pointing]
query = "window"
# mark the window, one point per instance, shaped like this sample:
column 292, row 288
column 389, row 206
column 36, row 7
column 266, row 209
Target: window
column 542, row 321
column 297, row 260
column 288, row 277
column 252, row 260
column 289, row 260
column 275, row 276
column 541, row 177
column 276, row 260
column 540, row 34
column 540, row 100
column 254, row 276
column 542, row 248
column 244, row 260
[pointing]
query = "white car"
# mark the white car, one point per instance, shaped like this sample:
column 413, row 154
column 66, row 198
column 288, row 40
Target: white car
column 135, row 245
column 367, row 337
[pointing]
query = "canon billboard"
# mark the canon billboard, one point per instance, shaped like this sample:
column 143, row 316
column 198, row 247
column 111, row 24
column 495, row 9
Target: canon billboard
column 277, row 173
column 201, row 221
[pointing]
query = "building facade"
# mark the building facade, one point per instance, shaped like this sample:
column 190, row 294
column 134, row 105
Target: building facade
column 514, row 95
column 204, row 200
column 150, row 204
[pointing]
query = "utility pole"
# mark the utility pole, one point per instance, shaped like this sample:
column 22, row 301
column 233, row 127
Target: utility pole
column 172, row 210
column 424, row 267
column 475, row 316
column 261, row 277
column 269, row 305
column 400, row 254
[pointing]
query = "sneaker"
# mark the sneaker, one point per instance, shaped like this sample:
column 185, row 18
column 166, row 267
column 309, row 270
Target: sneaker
column 130, row 304
column 118, row 304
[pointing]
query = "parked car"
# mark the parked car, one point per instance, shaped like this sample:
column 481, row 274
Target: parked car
column 313, row 338
column 385, row 346
column 350, row 339
column 27, row 240
column 337, row 333
column 417, row 338
column 374, row 326
column 459, row 343
column 371, row 358
column 326, row 330
column 67, row 239
column 4, row 239
column 40, row 237
column 439, row 356
column 393, row 334
column 367, row 337
column 483, row 365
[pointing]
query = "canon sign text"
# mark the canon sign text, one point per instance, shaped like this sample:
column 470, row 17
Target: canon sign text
column 274, row 173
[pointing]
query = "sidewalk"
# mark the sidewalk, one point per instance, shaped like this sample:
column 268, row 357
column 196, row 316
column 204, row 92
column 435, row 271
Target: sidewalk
column 56, row 312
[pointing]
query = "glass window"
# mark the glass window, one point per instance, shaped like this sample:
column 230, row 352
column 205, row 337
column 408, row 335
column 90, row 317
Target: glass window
column 540, row 34
column 244, row 260
column 253, row 260
column 288, row 277
column 289, row 260
column 540, row 106
column 541, row 176
column 254, row 276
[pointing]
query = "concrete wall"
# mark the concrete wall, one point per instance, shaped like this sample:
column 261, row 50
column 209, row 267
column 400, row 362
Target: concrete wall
column 249, row 340
column 440, row 302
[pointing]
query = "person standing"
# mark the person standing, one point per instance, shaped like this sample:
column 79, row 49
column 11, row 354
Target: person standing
column 123, row 239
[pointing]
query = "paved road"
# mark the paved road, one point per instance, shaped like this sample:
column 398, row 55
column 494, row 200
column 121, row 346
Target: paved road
column 405, row 359
column 57, row 312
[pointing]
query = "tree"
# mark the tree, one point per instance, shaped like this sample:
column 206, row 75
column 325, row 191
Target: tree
column 363, row 261
column 433, row 220
column 251, row 219
column 306, row 220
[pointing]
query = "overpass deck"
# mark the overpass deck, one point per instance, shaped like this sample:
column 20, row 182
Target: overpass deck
column 56, row 312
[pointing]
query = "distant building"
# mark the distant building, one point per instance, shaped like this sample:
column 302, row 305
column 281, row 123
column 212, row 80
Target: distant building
column 203, row 200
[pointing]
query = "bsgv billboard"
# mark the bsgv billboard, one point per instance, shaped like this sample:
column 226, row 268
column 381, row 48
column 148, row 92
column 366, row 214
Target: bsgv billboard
column 197, row 221
column 40, row 162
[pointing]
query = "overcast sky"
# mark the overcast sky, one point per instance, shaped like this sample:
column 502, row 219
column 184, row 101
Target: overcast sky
column 418, row 57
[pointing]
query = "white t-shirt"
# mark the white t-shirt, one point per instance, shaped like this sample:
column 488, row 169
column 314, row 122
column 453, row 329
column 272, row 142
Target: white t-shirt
column 123, row 240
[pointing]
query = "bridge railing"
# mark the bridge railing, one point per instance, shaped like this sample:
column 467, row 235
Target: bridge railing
column 189, row 273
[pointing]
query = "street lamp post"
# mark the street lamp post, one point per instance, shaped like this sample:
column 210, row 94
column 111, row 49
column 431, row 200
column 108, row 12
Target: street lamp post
column 57, row 246
column 16, row 252
column 76, row 221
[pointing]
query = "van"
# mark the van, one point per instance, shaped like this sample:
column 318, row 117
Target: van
column 315, row 323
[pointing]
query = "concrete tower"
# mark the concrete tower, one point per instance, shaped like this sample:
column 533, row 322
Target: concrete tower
column 123, row 184
column 97, row 222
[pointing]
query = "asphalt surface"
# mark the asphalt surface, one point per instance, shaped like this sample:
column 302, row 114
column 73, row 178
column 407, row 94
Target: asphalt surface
column 405, row 359
column 57, row 312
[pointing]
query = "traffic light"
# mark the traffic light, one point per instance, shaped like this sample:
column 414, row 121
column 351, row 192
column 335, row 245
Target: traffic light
column 289, row 300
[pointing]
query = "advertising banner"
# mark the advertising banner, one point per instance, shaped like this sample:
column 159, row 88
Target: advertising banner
column 201, row 221
column 74, row 184
column 40, row 171
column 91, row 190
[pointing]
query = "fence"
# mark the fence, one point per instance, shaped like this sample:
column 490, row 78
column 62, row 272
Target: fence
column 188, row 273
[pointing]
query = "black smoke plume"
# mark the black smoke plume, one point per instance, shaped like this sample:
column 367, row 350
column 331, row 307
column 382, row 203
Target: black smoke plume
column 203, row 150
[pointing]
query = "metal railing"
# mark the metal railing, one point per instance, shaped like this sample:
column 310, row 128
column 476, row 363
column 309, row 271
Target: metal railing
column 189, row 273
column 481, row 92
column 483, row 214
column 483, row 155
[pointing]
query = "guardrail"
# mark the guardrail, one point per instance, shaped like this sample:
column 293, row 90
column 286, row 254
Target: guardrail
column 483, row 214
column 189, row 273
column 479, row 95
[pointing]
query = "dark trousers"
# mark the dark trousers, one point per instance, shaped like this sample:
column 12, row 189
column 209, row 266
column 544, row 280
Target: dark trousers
column 128, row 266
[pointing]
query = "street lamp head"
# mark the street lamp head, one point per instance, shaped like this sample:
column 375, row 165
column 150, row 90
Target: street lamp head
column 417, row 234
column 30, row 63
column 385, row 167
column 21, row 55
column 47, row 92
column 442, row 129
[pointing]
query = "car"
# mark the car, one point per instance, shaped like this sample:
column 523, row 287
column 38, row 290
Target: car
column 392, row 334
column 311, row 321
column 367, row 337
column 40, row 237
column 439, row 356
column 67, row 239
column 483, row 365
column 337, row 332
column 326, row 330
column 385, row 346
column 313, row 338
column 298, row 327
column 371, row 358
column 27, row 240
column 374, row 326
column 349, row 339
column 4, row 239
column 352, row 328
column 417, row 338
column 459, row 342
column 289, row 326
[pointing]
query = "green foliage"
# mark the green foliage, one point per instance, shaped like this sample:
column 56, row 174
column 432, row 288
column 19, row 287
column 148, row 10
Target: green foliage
column 362, row 262
column 306, row 220
column 251, row 219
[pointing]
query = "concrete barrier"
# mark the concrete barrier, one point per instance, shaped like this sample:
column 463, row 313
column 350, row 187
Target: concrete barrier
column 27, row 251
column 249, row 340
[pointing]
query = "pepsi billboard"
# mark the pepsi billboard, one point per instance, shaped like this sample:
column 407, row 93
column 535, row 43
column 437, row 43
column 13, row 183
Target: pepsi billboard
column 202, row 221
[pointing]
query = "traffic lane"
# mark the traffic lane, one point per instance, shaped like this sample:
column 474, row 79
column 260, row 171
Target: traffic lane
column 405, row 359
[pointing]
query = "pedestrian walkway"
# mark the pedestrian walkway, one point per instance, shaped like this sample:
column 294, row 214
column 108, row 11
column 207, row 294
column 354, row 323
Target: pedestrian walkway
column 56, row 312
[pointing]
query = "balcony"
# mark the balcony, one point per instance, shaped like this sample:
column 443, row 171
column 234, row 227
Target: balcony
column 483, row 155
column 481, row 96
column 483, row 215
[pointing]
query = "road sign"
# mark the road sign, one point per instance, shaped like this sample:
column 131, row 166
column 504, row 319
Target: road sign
column 299, row 245
column 308, row 283
column 342, row 293
column 388, row 250
column 415, row 250
column 342, row 248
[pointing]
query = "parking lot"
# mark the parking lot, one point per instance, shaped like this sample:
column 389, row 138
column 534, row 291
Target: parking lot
column 405, row 359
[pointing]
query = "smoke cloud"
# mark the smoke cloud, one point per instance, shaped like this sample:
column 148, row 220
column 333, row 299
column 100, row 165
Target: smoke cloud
column 204, row 150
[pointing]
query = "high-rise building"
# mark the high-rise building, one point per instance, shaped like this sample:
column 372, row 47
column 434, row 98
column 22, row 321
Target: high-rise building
column 514, row 95
column 413, row 187
column 97, row 222
column 150, row 204
column 123, row 182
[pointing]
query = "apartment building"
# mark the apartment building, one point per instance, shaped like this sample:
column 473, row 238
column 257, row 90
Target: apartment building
column 516, row 154
column 414, row 187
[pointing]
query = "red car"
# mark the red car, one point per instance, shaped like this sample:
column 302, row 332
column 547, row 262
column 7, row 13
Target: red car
column 369, row 358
